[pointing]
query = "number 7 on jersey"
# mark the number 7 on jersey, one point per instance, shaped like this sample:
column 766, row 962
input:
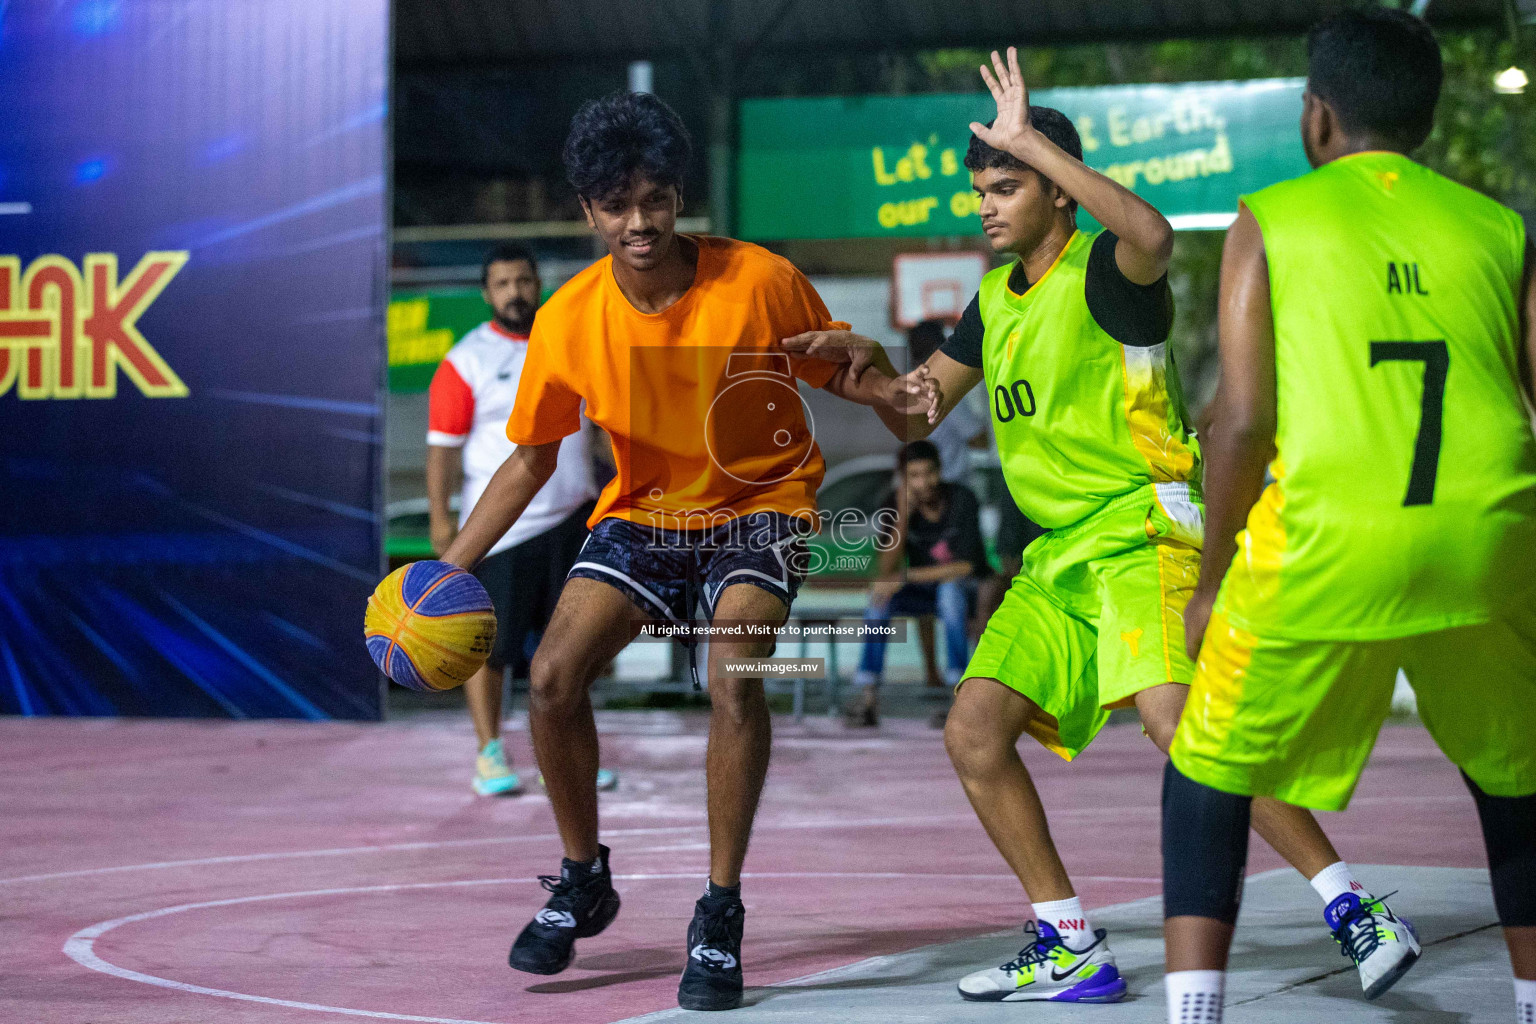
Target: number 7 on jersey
column 1426, row 448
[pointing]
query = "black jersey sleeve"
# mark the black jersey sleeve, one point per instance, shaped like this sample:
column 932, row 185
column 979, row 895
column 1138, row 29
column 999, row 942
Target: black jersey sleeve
column 964, row 345
column 1139, row 315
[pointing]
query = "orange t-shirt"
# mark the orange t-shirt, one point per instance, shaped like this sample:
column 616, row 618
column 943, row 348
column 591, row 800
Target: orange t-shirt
column 699, row 400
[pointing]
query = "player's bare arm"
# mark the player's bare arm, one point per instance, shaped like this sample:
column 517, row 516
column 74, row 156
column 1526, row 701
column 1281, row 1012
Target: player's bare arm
column 527, row 469
column 910, row 405
column 857, row 351
column 443, row 468
column 948, row 381
column 868, row 376
column 1241, row 440
column 1145, row 236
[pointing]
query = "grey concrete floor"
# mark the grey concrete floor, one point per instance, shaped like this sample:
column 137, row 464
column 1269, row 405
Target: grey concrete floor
column 1285, row 968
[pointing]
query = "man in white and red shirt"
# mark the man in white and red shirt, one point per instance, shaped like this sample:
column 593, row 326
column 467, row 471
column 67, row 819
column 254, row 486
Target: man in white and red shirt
column 471, row 398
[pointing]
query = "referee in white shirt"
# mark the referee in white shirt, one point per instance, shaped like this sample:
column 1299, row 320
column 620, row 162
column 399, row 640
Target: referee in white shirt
column 471, row 397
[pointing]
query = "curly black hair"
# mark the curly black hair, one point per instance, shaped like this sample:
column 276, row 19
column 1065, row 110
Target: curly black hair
column 622, row 134
column 1380, row 70
column 1048, row 121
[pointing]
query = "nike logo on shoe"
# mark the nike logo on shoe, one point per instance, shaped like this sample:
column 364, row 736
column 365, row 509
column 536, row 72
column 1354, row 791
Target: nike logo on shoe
column 1055, row 976
column 713, row 957
column 556, row 918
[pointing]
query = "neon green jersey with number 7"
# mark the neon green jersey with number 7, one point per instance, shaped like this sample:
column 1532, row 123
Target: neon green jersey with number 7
column 1404, row 498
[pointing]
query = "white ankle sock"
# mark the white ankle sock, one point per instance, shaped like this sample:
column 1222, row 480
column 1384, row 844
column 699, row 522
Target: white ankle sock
column 1067, row 917
column 1335, row 880
column 1525, row 1001
column 1194, row 997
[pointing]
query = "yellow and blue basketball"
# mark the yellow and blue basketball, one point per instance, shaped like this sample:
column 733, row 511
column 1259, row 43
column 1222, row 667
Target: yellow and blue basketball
column 429, row 626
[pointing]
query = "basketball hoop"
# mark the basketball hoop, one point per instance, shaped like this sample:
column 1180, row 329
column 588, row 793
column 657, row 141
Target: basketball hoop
column 934, row 286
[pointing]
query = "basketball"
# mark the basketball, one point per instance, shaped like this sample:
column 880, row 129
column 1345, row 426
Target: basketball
column 429, row 626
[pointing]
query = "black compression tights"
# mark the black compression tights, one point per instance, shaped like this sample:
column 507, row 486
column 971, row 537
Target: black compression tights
column 1205, row 848
column 1509, row 833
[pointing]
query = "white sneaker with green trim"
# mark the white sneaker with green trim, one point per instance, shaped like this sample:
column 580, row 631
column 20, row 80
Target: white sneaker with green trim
column 1382, row 945
column 1047, row 970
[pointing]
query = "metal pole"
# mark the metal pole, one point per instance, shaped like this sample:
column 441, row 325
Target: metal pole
column 722, row 119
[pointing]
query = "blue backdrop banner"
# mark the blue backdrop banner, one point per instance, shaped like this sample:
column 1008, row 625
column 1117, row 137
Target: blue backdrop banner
column 192, row 287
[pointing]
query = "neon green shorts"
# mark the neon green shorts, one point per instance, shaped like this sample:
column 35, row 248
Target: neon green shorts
column 1097, row 614
column 1296, row 719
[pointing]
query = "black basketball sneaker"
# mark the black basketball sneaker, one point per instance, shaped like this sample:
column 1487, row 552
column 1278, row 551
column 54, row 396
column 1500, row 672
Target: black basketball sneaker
column 712, row 979
column 582, row 902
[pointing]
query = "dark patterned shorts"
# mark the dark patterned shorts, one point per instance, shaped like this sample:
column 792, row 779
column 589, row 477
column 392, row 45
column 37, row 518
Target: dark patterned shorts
column 671, row 572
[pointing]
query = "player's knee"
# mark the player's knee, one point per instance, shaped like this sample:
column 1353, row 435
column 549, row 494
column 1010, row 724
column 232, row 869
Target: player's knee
column 975, row 743
column 737, row 710
column 1509, row 833
column 554, row 681
column 1160, row 708
column 737, row 701
column 1160, row 731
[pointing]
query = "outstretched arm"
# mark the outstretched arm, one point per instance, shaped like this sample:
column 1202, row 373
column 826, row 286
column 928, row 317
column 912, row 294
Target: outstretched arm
column 910, row 405
column 444, row 465
column 1241, row 437
column 1146, row 237
column 949, row 381
column 527, row 469
column 866, row 376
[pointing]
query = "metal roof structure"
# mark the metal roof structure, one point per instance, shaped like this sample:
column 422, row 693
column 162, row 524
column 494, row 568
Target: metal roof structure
column 436, row 33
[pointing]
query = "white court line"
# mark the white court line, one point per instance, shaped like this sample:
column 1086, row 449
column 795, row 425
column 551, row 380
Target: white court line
column 81, row 946
column 344, row 851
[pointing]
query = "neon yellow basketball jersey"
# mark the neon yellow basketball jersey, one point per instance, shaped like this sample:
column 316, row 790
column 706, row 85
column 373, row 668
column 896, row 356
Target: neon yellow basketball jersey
column 1404, row 498
column 1080, row 418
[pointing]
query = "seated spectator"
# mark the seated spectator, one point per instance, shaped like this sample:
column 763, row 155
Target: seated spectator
column 938, row 533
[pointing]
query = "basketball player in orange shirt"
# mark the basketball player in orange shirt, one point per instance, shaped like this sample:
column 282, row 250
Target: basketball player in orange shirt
column 672, row 343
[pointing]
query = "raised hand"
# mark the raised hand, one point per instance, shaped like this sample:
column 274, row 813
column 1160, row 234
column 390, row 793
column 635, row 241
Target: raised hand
column 1010, row 131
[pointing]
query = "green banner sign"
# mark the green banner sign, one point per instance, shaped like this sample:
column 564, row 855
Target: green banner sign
column 422, row 327
column 873, row 166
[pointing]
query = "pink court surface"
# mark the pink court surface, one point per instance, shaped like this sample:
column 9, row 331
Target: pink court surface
column 189, row 872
